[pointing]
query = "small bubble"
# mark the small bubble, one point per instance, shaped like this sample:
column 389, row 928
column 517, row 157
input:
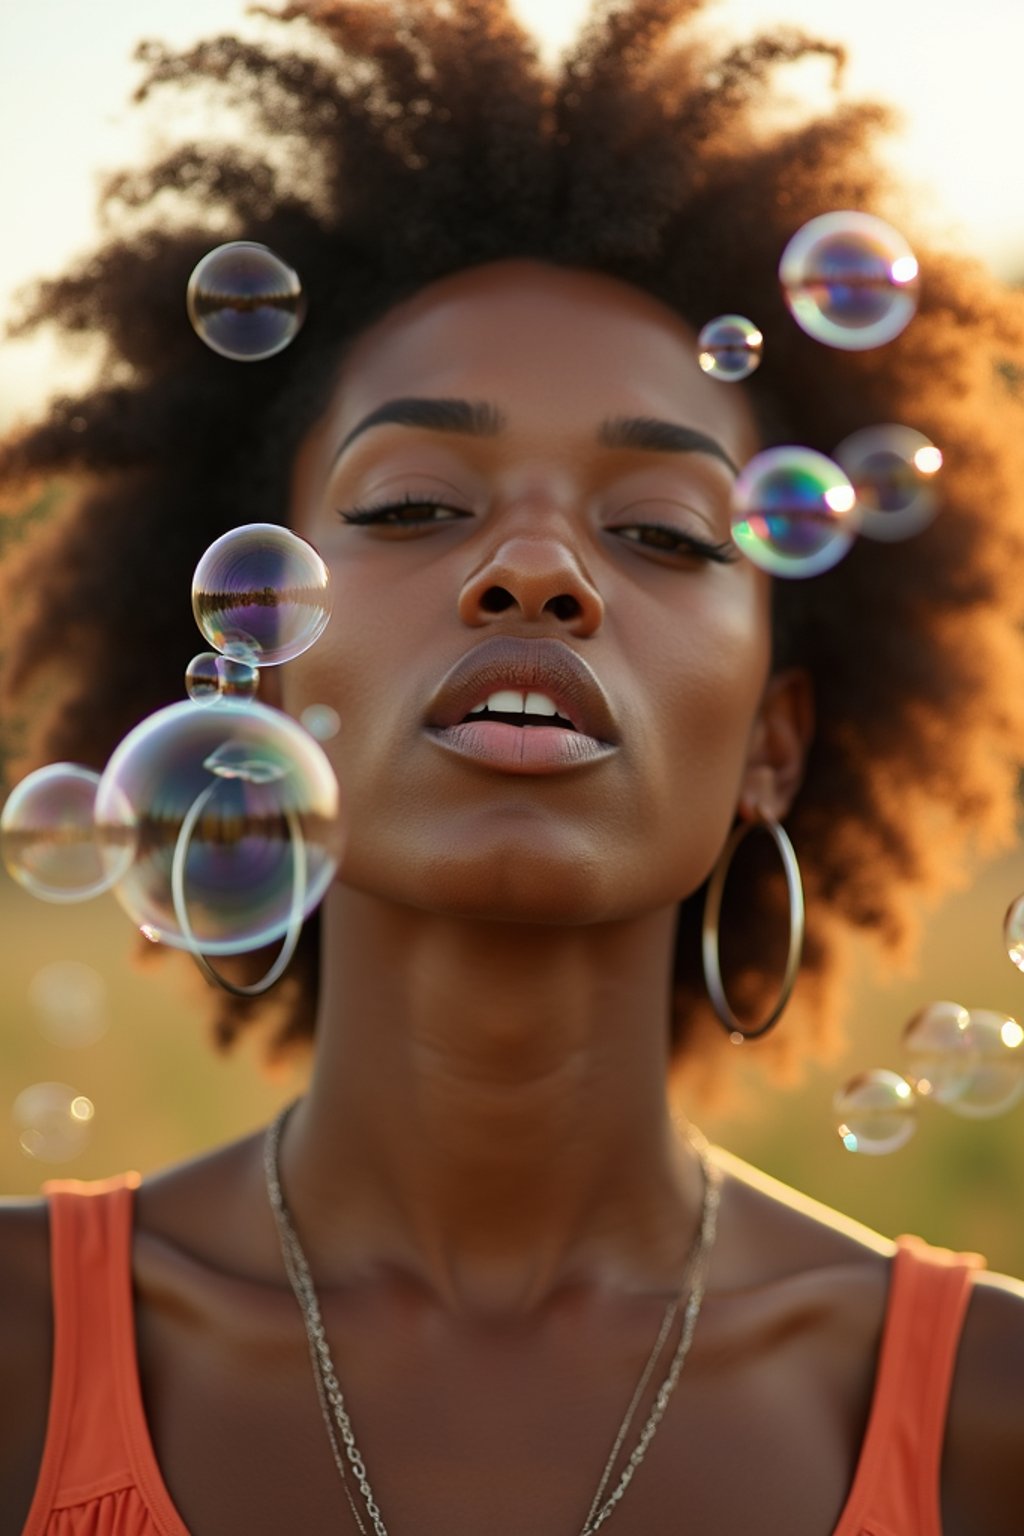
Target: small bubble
column 730, row 348
column 78, row 424
column 261, row 595
column 850, row 280
column 70, row 1000
column 793, row 511
column 875, row 1112
column 210, row 676
column 201, row 680
column 48, row 838
column 53, row 1121
column 321, row 721
column 993, row 1080
column 245, row 302
column 939, row 1051
column 892, row 470
column 1013, row 932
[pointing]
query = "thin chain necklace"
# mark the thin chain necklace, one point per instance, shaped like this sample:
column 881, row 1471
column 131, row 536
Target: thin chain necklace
column 332, row 1403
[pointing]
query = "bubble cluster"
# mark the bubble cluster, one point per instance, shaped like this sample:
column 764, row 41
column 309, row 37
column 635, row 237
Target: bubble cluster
column 730, row 348
column 893, row 472
column 210, row 676
column 850, row 280
column 793, row 512
column 241, row 793
column 875, row 1112
column 70, row 1001
column 245, row 302
column 47, row 836
column 261, row 595
column 53, row 1121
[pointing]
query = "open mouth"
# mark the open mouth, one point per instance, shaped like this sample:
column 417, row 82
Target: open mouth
column 519, row 717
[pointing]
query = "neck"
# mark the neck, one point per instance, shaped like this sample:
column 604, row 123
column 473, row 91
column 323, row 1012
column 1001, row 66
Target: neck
column 488, row 1110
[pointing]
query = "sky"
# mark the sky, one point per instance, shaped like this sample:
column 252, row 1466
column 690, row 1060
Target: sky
column 66, row 74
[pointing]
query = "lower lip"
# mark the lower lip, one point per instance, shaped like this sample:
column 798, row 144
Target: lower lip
column 521, row 748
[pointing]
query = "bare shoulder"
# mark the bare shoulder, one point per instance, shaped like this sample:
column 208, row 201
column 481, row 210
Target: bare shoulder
column 983, row 1464
column 26, row 1353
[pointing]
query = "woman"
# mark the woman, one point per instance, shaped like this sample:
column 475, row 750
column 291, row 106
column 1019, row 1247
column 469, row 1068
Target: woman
column 528, row 1279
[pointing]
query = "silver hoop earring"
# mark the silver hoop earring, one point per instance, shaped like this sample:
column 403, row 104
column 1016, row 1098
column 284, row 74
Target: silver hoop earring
column 709, row 931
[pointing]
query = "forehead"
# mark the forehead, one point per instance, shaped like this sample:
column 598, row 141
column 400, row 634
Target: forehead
column 557, row 349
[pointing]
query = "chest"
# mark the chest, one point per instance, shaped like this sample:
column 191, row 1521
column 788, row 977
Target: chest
column 507, row 1432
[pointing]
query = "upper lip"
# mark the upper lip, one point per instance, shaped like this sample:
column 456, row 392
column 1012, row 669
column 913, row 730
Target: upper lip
column 542, row 666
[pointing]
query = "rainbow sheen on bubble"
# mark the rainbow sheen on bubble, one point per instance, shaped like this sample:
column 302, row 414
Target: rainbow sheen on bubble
column 993, row 1078
column 245, row 302
column 793, row 512
column 211, row 676
column 53, row 1120
column 850, row 280
column 47, row 835
column 939, row 1051
column 261, row 595
column 266, row 782
column 893, row 472
column 729, row 348
column 876, row 1112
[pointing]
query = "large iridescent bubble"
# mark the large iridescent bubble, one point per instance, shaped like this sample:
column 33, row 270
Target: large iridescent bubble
column 893, row 471
column 47, row 835
column 261, row 595
column 850, row 280
column 246, row 802
column 793, row 512
column 245, row 302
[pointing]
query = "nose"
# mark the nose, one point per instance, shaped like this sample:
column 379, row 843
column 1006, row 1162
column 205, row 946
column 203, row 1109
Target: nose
column 537, row 575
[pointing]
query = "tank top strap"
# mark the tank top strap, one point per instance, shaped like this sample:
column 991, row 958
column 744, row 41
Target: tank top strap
column 896, row 1487
column 87, row 1448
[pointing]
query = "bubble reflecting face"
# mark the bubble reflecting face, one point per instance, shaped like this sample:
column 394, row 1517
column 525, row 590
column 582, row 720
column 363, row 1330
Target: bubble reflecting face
column 730, row 348
column 245, row 302
column 210, row 676
column 893, row 472
column 70, row 1001
column 321, row 721
column 850, row 280
column 993, row 1081
column 254, row 783
column 875, row 1112
column 793, row 512
column 53, row 1121
column 939, row 1051
column 47, row 835
column 1013, row 932
column 261, row 595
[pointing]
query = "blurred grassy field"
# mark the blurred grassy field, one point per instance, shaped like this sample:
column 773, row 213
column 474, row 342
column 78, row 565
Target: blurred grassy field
column 161, row 1094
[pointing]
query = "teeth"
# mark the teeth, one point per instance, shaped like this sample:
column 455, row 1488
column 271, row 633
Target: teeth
column 508, row 702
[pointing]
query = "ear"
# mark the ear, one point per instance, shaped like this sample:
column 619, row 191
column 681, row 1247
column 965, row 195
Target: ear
column 779, row 743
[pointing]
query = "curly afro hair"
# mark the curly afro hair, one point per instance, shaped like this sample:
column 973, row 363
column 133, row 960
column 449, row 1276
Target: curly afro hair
column 389, row 143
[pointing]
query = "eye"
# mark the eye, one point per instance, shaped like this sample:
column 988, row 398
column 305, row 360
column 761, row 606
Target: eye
column 673, row 541
column 410, row 512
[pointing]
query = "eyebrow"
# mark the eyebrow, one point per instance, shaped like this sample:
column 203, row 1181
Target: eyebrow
column 479, row 418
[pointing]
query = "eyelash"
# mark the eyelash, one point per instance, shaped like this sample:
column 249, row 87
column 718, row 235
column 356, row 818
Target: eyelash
column 683, row 543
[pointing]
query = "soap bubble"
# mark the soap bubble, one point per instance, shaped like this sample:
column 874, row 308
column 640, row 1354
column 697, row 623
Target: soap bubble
column 939, row 1050
column 1013, row 932
column 876, row 1112
column 850, row 280
column 261, row 595
column 245, row 302
column 993, row 1081
column 47, row 835
column 321, row 721
column 258, row 793
column 892, row 470
column 210, row 676
column 730, row 348
column 70, row 1001
column 53, row 1121
column 793, row 512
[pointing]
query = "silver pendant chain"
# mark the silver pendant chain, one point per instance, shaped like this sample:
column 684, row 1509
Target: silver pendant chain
column 332, row 1403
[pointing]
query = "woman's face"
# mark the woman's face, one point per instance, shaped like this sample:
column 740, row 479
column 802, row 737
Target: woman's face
column 526, row 523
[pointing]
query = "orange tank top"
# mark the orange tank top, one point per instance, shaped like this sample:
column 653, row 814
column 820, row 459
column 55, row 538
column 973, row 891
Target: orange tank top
column 99, row 1475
